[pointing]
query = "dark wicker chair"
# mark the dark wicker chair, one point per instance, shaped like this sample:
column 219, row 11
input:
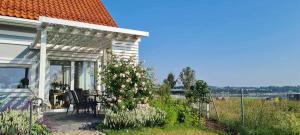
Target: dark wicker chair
column 72, row 98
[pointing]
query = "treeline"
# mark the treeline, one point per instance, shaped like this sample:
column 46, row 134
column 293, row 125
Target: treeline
column 269, row 89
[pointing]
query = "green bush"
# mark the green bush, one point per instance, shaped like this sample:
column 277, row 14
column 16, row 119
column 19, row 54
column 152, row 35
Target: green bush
column 40, row 129
column 171, row 117
column 164, row 91
column 178, row 111
column 135, row 118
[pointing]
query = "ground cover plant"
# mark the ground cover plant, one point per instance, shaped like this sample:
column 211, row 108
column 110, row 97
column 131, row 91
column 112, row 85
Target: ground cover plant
column 177, row 130
column 14, row 122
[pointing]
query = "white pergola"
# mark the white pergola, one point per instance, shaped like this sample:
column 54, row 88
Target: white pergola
column 63, row 39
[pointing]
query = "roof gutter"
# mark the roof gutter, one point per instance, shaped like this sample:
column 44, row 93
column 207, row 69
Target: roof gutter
column 19, row 21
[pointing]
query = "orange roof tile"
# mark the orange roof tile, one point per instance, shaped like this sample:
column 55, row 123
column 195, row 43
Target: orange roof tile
column 89, row 11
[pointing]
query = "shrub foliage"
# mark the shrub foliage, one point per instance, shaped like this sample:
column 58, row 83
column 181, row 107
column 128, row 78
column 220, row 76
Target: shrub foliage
column 135, row 118
column 127, row 84
column 14, row 122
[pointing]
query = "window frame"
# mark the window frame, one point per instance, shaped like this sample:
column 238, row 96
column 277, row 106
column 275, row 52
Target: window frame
column 17, row 90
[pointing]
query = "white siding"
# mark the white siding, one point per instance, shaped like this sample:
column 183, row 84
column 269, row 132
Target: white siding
column 15, row 52
column 125, row 49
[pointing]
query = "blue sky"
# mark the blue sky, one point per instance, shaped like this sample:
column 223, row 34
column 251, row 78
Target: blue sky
column 227, row 42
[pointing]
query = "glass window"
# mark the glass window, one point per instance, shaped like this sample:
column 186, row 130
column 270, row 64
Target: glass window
column 13, row 78
column 60, row 73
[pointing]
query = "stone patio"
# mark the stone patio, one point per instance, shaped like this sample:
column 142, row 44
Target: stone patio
column 73, row 124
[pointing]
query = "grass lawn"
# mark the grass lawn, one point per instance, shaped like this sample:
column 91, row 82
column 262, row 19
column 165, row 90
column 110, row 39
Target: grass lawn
column 164, row 131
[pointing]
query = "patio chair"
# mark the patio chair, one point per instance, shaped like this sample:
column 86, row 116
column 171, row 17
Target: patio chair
column 72, row 99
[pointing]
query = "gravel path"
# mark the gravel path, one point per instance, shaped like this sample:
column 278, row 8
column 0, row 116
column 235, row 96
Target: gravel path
column 83, row 124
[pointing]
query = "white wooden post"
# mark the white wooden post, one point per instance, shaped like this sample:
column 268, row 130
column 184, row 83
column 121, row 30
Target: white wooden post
column 72, row 75
column 43, row 59
column 84, row 74
column 98, row 67
column 137, row 43
column 207, row 110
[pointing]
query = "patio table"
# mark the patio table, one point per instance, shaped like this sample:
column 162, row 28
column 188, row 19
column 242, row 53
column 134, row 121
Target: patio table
column 93, row 101
column 55, row 95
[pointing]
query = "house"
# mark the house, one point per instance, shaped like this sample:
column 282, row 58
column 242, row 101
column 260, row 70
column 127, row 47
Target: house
column 50, row 44
column 293, row 96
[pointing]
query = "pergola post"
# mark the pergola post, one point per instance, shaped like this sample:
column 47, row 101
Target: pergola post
column 43, row 60
column 72, row 87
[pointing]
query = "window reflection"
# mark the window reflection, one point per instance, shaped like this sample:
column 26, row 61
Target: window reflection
column 85, row 75
column 13, row 78
column 60, row 74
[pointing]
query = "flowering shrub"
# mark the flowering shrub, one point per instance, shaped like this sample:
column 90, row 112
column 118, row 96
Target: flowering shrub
column 127, row 84
column 139, row 117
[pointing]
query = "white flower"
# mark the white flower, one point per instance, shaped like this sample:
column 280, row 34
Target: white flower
column 128, row 80
column 138, row 74
column 135, row 85
column 116, row 65
column 122, row 75
column 123, row 86
column 143, row 83
column 115, row 76
column 121, row 90
column 119, row 100
column 127, row 72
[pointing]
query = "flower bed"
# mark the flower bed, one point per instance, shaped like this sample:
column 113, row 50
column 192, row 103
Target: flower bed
column 14, row 122
column 135, row 118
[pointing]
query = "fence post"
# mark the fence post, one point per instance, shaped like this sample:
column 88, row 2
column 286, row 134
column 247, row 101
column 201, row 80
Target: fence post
column 242, row 107
column 207, row 110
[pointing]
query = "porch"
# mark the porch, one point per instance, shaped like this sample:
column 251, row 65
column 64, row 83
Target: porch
column 72, row 54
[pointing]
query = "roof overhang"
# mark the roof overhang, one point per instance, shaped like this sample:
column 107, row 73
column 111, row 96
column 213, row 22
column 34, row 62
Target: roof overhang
column 72, row 36
column 42, row 19
column 19, row 21
column 49, row 20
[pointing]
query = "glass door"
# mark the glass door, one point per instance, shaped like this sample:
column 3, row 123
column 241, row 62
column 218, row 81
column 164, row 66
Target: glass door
column 60, row 79
column 85, row 75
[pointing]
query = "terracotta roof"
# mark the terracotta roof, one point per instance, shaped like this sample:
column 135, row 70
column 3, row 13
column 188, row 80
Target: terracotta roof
column 89, row 11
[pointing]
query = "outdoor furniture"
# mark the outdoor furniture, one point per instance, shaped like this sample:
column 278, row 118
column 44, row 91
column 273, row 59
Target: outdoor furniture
column 54, row 97
column 72, row 99
column 58, row 97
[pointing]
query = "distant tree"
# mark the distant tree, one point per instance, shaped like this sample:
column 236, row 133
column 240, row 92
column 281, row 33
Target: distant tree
column 187, row 77
column 171, row 81
column 164, row 91
column 198, row 93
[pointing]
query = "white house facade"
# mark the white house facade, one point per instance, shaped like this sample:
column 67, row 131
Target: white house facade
column 57, row 43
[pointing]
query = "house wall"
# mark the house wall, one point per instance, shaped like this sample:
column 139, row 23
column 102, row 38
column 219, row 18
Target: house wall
column 126, row 49
column 15, row 52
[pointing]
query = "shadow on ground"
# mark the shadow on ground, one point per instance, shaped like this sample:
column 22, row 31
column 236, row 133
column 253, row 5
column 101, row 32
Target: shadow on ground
column 62, row 122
